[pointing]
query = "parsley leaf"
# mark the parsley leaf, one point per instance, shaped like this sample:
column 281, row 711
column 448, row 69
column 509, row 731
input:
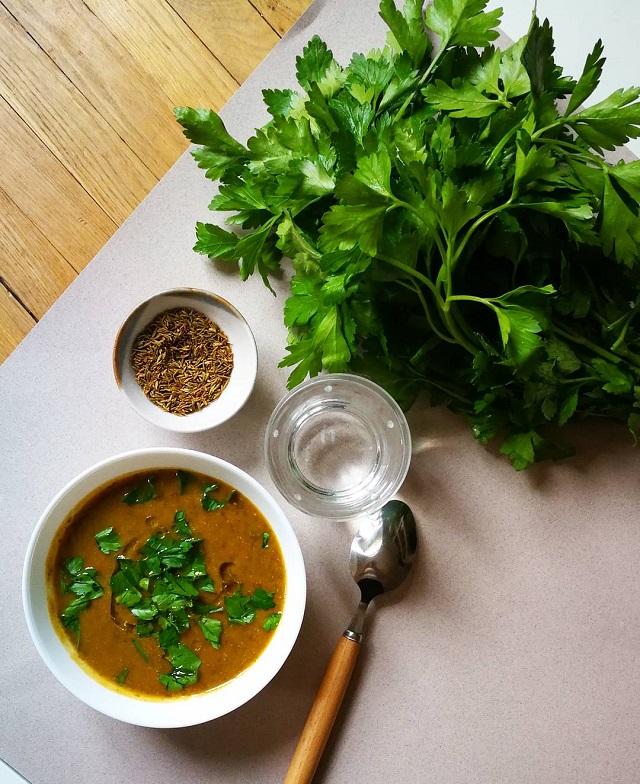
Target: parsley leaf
column 265, row 539
column 211, row 504
column 212, row 630
column 108, row 540
column 239, row 608
column 184, row 668
column 271, row 621
column 141, row 494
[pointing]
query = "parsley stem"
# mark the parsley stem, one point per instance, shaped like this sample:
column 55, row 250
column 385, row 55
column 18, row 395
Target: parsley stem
column 448, row 319
column 475, row 225
column 415, row 86
column 577, row 152
column 570, row 335
column 414, row 274
column 416, row 288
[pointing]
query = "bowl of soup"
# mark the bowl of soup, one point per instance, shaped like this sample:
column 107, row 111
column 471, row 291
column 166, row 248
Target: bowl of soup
column 164, row 587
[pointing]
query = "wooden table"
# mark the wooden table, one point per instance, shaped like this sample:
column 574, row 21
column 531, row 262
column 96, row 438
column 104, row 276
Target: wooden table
column 86, row 93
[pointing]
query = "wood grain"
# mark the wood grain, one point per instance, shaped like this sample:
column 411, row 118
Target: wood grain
column 44, row 190
column 65, row 120
column 168, row 50
column 37, row 272
column 237, row 32
column 323, row 713
column 15, row 323
column 102, row 69
column 86, row 127
column 281, row 14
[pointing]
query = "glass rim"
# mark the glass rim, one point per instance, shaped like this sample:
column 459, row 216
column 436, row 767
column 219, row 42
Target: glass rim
column 314, row 502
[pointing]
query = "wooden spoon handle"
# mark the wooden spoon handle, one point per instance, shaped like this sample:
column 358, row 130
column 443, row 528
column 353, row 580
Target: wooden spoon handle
column 323, row 713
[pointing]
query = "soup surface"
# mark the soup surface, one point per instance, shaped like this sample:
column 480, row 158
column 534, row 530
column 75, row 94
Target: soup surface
column 166, row 583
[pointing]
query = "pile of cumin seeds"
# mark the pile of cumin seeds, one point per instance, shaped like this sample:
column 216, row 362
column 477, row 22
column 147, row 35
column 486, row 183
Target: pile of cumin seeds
column 182, row 361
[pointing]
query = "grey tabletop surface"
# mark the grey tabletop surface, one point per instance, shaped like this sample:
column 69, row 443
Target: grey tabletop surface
column 511, row 655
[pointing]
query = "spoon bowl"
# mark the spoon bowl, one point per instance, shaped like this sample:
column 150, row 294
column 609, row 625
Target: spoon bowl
column 384, row 546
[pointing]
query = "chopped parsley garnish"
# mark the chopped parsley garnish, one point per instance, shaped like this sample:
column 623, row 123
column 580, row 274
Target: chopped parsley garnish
column 140, row 650
column 212, row 630
column 86, row 587
column 184, row 477
column 141, row 494
column 265, row 540
column 184, row 668
column 122, row 677
column 180, row 524
column 241, row 608
column 272, row 621
column 108, row 540
column 211, row 504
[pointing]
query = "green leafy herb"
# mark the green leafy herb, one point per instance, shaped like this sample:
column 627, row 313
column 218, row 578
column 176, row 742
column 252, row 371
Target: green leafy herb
column 180, row 524
column 142, row 494
column 86, row 588
column 140, row 650
column 108, row 540
column 262, row 600
column 122, row 677
column 265, row 540
column 271, row 622
column 212, row 630
column 183, row 477
column 239, row 608
column 184, row 668
column 452, row 225
column 211, row 504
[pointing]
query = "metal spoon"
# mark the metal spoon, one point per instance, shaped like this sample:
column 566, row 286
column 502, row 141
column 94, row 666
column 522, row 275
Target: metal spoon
column 381, row 556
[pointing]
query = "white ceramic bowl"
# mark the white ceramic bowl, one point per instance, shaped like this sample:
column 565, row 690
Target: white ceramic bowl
column 181, row 711
column 230, row 321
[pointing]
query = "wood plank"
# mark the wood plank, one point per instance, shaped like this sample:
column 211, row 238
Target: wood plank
column 281, row 14
column 166, row 48
column 107, row 75
column 35, row 180
column 236, row 33
column 63, row 118
column 31, row 266
column 15, row 322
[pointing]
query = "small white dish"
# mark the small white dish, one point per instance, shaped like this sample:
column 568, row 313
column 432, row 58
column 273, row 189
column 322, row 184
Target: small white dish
column 230, row 321
column 170, row 712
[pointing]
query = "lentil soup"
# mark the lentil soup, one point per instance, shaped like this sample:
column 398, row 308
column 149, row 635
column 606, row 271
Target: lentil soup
column 165, row 583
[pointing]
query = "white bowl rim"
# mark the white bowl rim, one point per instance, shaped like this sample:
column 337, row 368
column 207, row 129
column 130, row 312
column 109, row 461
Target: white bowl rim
column 210, row 416
column 180, row 711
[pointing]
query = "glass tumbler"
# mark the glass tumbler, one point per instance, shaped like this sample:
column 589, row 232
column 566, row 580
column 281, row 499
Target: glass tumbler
column 338, row 446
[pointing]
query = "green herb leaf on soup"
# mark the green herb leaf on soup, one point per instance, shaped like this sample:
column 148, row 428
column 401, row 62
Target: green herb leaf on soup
column 142, row 494
column 108, row 540
column 211, row 504
column 140, row 650
column 180, row 524
column 265, row 540
column 122, row 677
column 184, row 668
column 262, row 600
column 239, row 608
column 212, row 630
column 183, row 477
column 86, row 588
column 271, row 622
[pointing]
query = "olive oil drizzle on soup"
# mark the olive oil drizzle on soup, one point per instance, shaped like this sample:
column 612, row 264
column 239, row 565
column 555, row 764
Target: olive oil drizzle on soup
column 179, row 588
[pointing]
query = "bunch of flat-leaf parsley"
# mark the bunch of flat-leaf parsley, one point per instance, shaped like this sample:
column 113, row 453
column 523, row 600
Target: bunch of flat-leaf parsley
column 451, row 223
